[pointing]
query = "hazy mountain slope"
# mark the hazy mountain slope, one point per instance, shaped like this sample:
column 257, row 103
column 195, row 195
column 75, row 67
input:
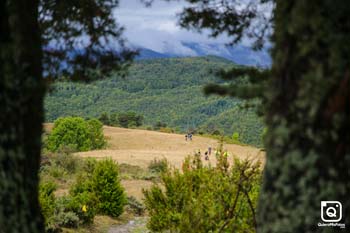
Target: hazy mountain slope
column 239, row 54
column 150, row 54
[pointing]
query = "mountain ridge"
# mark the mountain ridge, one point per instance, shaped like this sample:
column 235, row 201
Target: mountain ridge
column 240, row 54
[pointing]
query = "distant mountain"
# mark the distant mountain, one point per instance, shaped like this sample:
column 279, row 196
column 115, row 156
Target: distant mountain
column 239, row 54
column 150, row 54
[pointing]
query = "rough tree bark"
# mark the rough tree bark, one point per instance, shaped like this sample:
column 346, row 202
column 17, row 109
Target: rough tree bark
column 21, row 116
column 308, row 117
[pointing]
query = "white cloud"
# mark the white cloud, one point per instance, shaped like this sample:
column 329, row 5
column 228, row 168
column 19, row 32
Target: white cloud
column 156, row 27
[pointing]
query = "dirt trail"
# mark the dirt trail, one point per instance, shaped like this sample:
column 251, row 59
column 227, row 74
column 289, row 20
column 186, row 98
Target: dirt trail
column 139, row 147
column 137, row 225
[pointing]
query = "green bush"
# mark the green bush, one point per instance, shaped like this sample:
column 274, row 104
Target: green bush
column 124, row 119
column 67, row 219
column 96, row 134
column 89, row 165
column 47, row 199
column 235, row 136
column 205, row 198
column 66, row 161
column 135, row 206
column 60, row 165
column 159, row 125
column 166, row 130
column 106, row 185
column 131, row 171
column 83, row 205
column 54, row 171
column 104, row 118
column 96, row 189
column 129, row 120
column 158, row 165
column 82, row 200
column 77, row 133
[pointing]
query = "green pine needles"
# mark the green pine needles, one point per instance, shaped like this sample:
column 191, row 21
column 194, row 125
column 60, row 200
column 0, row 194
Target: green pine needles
column 108, row 190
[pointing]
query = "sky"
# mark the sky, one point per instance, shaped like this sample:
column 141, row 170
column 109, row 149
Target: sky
column 156, row 27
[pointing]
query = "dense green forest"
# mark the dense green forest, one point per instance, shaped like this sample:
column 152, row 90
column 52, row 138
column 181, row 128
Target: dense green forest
column 167, row 90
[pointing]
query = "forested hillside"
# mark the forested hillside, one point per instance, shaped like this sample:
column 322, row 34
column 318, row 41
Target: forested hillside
column 162, row 90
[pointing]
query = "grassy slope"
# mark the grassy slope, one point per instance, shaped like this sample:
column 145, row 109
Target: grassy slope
column 165, row 90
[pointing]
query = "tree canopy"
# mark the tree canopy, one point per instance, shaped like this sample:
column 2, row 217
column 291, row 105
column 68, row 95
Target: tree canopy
column 51, row 39
column 81, row 37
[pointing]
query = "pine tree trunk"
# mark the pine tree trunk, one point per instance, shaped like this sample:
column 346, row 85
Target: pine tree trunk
column 308, row 141
column 21, row 116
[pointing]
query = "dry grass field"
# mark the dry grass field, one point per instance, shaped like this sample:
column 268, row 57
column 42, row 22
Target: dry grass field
column 139, row 147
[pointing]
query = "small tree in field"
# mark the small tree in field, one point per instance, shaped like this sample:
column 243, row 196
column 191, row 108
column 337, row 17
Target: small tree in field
column 76, row 132
column 108, row 190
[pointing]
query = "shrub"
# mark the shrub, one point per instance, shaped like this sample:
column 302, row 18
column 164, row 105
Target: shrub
column 158, row 165
column 205, row 198
column 59, row 165
column 107, row 187
column 89, row 165
column 216, row 132
column 83, row 183
column 66, row 219
column 135, row 206
column 129, row 119
column 82, row 200
column 83, row 205
column 96, row 134
column 66, row 161
column 77, row 133
column 113, row 120
column 159, row 125
column 104, row 118
column 133, row 171
column 47, row 199
column 166, row 130
column 235, row 137
column 54, row 171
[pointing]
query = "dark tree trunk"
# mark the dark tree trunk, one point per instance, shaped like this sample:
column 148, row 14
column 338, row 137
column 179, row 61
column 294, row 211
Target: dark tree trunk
column 308, row 142
column 21, row 116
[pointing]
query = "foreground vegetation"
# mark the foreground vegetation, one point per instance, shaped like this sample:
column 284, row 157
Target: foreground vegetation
column 202, row 198
column 86, row 195
column 162, row 92
column 93, row 188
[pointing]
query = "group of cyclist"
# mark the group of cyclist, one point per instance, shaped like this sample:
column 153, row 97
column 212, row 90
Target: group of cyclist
column 206, row 153
column 188, row 136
